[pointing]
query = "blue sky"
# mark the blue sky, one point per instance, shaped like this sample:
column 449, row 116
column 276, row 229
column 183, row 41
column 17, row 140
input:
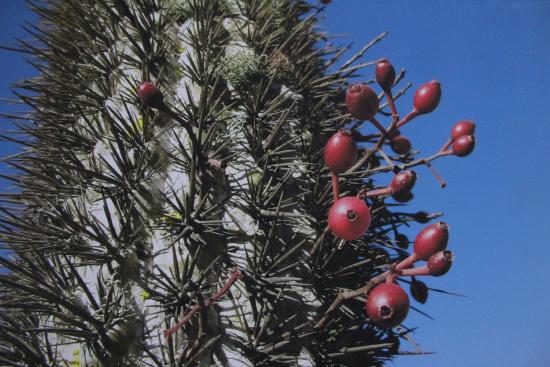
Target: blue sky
column 492, row 59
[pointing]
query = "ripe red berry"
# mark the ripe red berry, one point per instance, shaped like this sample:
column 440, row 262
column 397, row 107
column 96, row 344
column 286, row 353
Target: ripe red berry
column 440, row 263
column 431, row 239
column 400, row 144
column 349, row 218
column 362, row 101
column 150, row 95
column 385, row 75
column 427, row 97
column 387, row 305
column 419, row 290
column 461, row 128
column 340, row 151
column 403, row 182
column 463, row 145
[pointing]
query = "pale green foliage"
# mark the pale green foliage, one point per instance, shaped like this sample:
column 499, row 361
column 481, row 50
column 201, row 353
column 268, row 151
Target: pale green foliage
column 241, row 69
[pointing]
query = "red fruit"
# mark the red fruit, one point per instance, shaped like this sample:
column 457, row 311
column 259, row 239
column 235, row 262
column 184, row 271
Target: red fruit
column 427, row 97
column 440, row 263
column 431, row 239
column 340, row 152
column 326, row 1
column 349, row 218
column 150, row 95
column 385, row 75
column 362, row 101
column 400, row 144
column 463, row 145
column 403, row 182
column 387, row 305
column 461, row 128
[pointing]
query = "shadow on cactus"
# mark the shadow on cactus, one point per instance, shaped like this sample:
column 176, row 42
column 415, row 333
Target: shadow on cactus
column 176, row 205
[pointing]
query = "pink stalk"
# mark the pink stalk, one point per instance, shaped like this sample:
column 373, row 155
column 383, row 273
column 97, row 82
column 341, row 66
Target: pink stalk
column 391, row 102
column 412, row 272
column 378, row 125
column 379, row 192
column 446, row 146
column 335, row 186
column 407, row 118
column 407, row 263
column 213, row 299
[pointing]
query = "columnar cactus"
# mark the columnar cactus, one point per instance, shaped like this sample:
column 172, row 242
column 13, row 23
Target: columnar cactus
column 173, row 196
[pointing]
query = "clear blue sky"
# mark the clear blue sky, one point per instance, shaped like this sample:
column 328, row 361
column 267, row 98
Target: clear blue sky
column 493, row 59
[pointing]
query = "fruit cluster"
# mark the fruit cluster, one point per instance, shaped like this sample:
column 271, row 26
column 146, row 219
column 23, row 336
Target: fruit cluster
column 349, row 217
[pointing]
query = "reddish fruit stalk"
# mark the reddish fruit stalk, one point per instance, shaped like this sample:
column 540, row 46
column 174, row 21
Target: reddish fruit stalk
column 214, row 298
column 335, row 186
column 387, row 305
column 378, row 125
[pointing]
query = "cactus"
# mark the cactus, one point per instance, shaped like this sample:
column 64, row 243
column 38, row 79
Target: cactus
column 211, row 208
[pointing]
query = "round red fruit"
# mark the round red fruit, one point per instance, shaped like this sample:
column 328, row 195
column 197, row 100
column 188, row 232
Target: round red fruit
column 461, row 128
column 340, row 152
column 403, row 182
column 149, row 95
column 385, row 75
column 463, row 145
column 400, row 144
column 362, row 101
column 387, row 305
column 440, row 263
column 349, row 218
column 431, row 239
column 427, row 97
